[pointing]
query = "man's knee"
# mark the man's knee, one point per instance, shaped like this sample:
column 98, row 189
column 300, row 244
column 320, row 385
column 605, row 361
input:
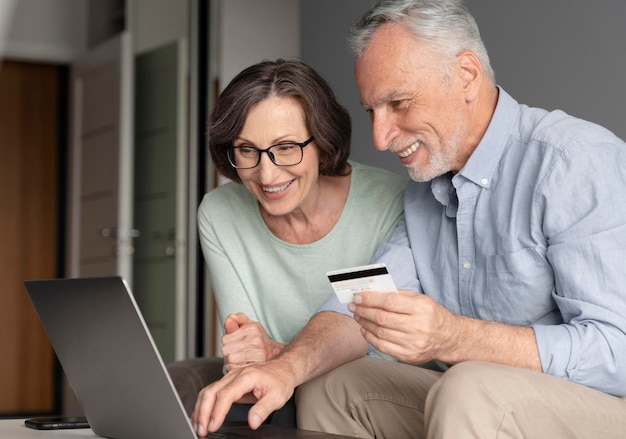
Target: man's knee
column 466, row 383
column 330, row 390
column 459, row 379
column 466, row 400
column 323, row 403
column 311, row 394
column 450, row 387
column 368, row 397
column 334, row 385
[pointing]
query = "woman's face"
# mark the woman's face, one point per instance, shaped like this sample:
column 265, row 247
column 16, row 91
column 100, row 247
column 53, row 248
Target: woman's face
column 280, row 190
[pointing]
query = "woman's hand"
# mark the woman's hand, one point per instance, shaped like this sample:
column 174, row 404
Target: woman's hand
column 245, row 342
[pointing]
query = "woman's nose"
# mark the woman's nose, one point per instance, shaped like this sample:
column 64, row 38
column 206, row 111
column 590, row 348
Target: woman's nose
column 267, row 168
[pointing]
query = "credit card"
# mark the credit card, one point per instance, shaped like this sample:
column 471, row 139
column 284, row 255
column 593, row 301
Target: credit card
column 349, row 281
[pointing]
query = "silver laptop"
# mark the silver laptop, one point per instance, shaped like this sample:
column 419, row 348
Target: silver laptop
column 113, row 365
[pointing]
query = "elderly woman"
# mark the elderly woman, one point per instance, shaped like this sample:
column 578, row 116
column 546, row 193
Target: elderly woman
column 295, row 208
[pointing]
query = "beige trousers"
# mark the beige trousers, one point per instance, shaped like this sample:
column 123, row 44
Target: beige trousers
column 372, row 398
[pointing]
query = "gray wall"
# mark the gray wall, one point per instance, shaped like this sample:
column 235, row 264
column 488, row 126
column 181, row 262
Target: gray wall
column 567, row 54
column 324, row 28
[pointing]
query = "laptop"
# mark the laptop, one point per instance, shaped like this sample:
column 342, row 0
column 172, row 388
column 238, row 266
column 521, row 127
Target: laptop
column 114, row 367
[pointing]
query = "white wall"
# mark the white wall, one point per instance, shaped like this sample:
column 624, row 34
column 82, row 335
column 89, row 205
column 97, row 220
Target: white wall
column 159, row 22
column 56, row 30
column 6, row 17
column 47, row 30
column 254, row 30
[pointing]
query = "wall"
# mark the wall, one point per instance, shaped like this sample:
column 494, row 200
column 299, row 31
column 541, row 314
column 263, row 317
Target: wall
column 44, row 30
column 6, row 18
column 566, row 54
column 57, row 30
column 253, row 30
column 159, row 22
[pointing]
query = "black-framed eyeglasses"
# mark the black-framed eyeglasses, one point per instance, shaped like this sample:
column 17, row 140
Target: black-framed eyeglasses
column 281, row 154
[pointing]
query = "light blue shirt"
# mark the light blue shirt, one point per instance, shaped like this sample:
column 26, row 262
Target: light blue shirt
column 531, row 232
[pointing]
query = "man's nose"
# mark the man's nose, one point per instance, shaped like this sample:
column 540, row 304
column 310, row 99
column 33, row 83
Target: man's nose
column 382, row 130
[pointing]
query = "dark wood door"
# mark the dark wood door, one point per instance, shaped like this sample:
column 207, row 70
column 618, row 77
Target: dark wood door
column 29, row 207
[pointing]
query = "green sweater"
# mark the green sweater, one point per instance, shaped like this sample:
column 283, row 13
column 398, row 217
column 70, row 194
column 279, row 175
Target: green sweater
column 280, row 284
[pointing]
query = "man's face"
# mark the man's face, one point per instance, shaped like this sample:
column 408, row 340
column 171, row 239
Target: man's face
column 415, row 103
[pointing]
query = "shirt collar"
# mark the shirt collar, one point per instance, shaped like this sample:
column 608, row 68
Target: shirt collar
column 445, row 193
column 481, row 166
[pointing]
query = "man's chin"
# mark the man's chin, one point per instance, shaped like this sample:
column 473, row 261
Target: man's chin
column 417, row 173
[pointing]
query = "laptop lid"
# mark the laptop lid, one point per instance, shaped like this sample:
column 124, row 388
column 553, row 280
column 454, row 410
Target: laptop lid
column 114, row 367
column 109, row 358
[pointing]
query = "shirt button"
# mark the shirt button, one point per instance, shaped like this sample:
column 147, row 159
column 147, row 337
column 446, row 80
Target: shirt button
column 484, row 181
column 467, row 265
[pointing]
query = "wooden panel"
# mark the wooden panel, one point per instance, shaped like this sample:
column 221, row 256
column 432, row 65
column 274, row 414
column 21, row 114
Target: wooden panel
column 29, row 105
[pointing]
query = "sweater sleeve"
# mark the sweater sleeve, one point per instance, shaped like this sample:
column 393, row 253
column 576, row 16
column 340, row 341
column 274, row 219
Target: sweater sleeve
column 230, row 293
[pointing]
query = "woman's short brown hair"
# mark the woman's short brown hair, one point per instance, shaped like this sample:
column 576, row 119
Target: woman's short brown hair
column 327, row 120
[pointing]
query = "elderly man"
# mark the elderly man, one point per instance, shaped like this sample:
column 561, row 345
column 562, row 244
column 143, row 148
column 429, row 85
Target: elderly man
column 511, row 261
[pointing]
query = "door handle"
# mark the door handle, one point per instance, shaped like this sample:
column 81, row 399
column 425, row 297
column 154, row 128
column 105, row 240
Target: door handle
column 111, row 232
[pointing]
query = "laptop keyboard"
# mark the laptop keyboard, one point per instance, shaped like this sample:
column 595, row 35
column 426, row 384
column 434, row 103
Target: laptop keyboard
column 230, row 436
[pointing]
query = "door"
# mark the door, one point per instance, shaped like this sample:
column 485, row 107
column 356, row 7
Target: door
column 99, row 234
column 159, row 260
column 100, row 195
column 29, row 192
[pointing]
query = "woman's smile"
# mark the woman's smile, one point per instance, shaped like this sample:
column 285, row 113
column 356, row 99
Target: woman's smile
column 277, row 189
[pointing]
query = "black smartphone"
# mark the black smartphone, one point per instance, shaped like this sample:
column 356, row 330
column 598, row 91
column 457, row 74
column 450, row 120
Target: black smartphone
column 57, row 423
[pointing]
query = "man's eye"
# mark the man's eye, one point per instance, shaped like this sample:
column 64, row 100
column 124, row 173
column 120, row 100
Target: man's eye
column 396, row 105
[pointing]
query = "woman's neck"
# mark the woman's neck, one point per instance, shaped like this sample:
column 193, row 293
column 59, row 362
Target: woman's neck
column 312, row 222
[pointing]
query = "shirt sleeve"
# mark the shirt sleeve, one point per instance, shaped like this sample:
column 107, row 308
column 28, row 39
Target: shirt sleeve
column 396, row 254
column 230, row 293
column 584, row 219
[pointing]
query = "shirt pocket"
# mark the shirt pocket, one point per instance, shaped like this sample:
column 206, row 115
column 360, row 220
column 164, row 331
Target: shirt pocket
column 519, row 286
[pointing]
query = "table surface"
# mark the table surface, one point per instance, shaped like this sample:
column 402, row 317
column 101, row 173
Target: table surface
column 15, row 429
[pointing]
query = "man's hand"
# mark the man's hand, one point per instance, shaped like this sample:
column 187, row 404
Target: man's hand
column 327, row 341
column 246, row 342
column 266, row 383
column 408, row 326
column 415, row 329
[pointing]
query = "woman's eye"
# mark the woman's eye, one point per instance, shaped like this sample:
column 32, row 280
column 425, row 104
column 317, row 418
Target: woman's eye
column 245, row 150
column 285, row 147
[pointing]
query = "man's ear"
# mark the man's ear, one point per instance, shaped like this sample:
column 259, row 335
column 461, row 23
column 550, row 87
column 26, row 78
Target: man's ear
column 470, row 74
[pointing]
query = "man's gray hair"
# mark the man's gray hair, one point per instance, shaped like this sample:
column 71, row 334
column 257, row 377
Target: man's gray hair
column 446, row 25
